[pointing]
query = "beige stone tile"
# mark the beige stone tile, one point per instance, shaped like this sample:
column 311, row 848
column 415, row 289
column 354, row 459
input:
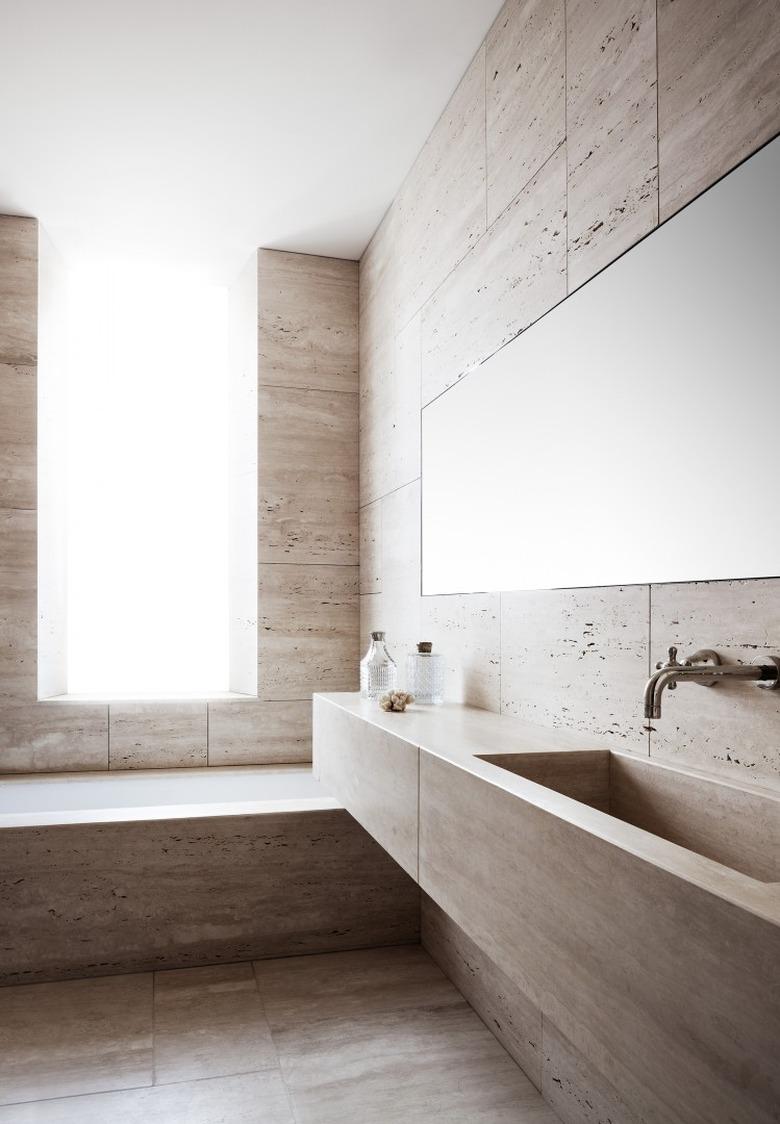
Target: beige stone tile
column 526, row 95
column 209, row 1022
column 302, row 990
column 94, row 898
column 400, row 604
column 80, row 1036
column 157, row 735
column 718, row 97
column 252, row 1098
column 259, row 733
column 513, row 275
column 466, row 630
column 390, row 414
column 18, row 607
column 380, row 284
column 18, row 290
column 384, row 801
column 53, row 737
column 18, row 407
column 503, row 1007
column 307, row 321
column 574, row 1088
column 731, row 728
column 307, row 476
column 308, row 630
column 406, row 1067
column 577, row 658
column 371, row 548
column 442, row 201
column 612, row 133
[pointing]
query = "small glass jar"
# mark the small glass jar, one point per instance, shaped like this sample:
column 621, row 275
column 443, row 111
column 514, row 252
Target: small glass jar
column 425, row 674
column 378, row 670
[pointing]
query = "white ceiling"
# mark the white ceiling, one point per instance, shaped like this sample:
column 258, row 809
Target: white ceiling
column 192, row 131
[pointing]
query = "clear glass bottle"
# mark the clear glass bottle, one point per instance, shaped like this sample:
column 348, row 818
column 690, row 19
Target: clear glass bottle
column 425, row 674
column 378, row 670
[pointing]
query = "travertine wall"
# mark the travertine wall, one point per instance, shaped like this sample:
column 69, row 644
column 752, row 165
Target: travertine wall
column 307, row 536
column 577, row 126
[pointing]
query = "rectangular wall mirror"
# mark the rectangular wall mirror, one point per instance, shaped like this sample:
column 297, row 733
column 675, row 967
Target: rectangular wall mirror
column 631, row 434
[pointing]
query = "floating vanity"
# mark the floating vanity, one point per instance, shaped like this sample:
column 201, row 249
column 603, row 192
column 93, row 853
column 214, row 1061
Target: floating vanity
column 635, row 904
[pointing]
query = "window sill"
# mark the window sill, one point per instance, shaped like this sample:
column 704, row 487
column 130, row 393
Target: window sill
column 215, row 696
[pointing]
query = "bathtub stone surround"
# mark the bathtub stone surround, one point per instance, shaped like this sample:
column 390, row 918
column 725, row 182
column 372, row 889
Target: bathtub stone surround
column 307, row 532
column 577, row 126
column 628, row 974
column 93, row 899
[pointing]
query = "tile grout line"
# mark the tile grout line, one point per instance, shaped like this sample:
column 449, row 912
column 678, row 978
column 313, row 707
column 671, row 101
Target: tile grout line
column 154, row 1029
column 649, row 655
column 287, row 1090
column 566, row 128
column 657, row 124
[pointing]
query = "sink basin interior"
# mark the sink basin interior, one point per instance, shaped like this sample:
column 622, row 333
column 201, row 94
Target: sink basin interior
column 729, row 824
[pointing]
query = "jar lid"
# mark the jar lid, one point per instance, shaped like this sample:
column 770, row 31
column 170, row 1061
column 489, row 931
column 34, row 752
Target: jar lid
column 425, row 647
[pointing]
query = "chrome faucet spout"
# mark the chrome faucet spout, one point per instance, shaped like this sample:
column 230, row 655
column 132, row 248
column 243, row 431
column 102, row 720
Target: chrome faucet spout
column 705, row 668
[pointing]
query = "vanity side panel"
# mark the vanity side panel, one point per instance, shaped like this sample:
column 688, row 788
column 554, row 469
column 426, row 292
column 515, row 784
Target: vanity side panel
column 684, row 1032
column 373, row 774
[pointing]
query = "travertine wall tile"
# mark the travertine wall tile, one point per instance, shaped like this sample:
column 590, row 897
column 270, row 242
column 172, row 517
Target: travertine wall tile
column 612, row 134
column 442, row 201
column 390, row 415
column 307, row 321
column 380, row 284
column 18, row 607
column 718, row 97
column 577, row 658
column 53, row 737
column 526, row 95
column 18, row 435
column 466, row 630
column 499, row 1002
column 732, row 727
column 513, row 275
column 259, row 733
column 308, row 630
column 157, row 735
column 371, row 548
column 307, row 476
column 18, row 290
column 400, row 596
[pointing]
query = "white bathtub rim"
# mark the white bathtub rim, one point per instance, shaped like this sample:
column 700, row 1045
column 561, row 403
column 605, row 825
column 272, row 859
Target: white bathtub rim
column 113, row 812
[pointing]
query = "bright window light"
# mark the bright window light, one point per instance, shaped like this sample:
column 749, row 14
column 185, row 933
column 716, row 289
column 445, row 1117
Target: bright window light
column 147, row 485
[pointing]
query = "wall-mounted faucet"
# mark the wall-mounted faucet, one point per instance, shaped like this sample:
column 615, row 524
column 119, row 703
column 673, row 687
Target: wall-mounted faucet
column 705, row 668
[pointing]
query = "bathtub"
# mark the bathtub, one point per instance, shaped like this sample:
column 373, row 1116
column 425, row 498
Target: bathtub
column 122, row 872
column 158, row 794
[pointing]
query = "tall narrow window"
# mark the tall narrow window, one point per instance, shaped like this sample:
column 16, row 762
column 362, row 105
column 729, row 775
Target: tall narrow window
column 147, row 486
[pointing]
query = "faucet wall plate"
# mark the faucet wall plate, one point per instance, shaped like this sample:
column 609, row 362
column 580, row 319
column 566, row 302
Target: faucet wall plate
column 704, row 656
column 770, row 684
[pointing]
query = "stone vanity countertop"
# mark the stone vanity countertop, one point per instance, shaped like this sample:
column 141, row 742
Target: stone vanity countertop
column 460, row 734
